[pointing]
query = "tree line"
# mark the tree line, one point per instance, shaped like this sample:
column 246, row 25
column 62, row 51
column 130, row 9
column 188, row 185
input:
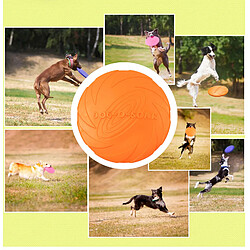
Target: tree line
column 221, row 144
column 229, row 56
column 136, row 24
column 87, row 42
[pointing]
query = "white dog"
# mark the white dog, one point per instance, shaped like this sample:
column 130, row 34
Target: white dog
column 206, row 69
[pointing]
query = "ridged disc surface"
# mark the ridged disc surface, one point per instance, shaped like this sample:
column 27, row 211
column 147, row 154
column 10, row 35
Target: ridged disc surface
column 123, row 116
column 218, row 91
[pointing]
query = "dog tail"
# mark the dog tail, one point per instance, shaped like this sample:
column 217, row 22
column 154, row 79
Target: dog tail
column 125, row 203
column 167, row 48
column 181, row 83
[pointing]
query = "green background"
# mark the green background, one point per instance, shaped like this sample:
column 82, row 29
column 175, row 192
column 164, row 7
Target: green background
column 193, row 17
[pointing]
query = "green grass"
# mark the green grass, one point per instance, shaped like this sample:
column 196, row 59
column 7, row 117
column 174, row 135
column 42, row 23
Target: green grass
column 227, row 112
column 219, row 191
column 66, row 191
column 25, row 93
column 169, row 160
column 133, row 49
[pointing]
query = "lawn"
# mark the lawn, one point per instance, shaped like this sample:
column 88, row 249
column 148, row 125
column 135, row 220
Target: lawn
column 21, row 107
column 66, row 189
column 224, row 197
column 200, row 159
column 227, row 111
column 109, row 188
column 133, row 49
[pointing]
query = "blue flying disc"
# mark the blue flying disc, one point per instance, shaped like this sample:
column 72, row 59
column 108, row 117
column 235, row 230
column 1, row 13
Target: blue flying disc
column 82, row 72
column 229, row 149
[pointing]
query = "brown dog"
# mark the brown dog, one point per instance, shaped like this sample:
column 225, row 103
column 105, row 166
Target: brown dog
column 54, row 73
column 159, row 52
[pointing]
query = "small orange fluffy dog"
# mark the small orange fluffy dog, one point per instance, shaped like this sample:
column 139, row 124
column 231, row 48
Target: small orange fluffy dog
column 29, row 172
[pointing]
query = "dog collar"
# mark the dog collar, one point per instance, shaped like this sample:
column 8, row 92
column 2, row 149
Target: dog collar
column 70, row 62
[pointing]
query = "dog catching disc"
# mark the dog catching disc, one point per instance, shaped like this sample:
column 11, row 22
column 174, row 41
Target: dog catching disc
column 152, row 40
column 218, row 91
column 229, row 149
column 190, row 131
column 123, row 116
column 50, row 170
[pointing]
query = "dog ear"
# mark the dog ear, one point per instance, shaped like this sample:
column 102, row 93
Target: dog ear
column 204, row 51
column 145, row 32
column 214, row 48
column 160, row 188
column 155, row 31
column 75, row 57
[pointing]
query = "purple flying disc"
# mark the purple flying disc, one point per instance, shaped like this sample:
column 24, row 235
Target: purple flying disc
column 82, row 72
column 50, row 170
column 152, row 40
column 229, row 149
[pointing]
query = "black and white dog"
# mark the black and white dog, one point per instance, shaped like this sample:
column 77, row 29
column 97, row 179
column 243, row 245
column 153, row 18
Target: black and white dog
column 188, row 142
column 154, row 201
column 159, row 52
column 223, row 173
column 206, row 69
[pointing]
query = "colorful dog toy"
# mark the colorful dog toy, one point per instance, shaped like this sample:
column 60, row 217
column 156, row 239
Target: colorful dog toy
column 229, row 149
column 218, row 91
column 82, row 72
column 190, row 131
column 123, row 116
column 50, row 170
column 152, row 41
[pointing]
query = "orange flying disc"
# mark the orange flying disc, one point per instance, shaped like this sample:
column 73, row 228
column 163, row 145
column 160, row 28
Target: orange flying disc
column 190, row 131
column 218, row 91
column 123, row 116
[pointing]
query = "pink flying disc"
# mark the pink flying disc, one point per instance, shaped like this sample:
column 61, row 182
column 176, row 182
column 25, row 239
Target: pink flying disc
column 50, row 170
column 152, row 40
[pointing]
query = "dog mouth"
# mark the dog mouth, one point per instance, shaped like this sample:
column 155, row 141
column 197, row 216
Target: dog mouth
column 211, row 56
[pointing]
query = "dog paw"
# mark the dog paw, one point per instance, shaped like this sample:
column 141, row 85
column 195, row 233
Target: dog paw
column 41, row 111
column 172, row 215
column 46, row 112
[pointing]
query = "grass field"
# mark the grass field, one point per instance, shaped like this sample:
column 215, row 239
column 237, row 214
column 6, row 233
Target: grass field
column 109, row 188
column 200, row 159
column 227, row 112
column 224, row 197
column 21, row 107
column 133, row 49
column 67, row 188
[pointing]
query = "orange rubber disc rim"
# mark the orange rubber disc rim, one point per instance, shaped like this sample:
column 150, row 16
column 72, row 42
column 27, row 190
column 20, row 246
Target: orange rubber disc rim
column 190, row 131
column 218, row 91
column 123, row 116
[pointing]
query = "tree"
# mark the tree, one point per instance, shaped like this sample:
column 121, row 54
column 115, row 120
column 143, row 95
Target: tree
column 229, row 56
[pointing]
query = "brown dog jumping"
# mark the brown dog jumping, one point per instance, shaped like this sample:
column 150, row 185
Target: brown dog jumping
column 54, row 73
